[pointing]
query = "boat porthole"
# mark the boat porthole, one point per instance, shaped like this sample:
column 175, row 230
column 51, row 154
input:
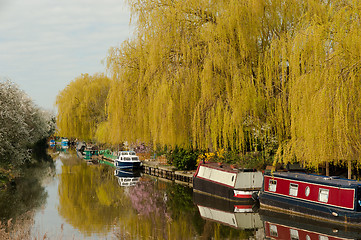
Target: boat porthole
column 307, row 191
column 232, row 178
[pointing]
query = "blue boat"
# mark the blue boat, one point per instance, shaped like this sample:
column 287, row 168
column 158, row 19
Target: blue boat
column 64, row 143
column 52, row 143
column 127, row 160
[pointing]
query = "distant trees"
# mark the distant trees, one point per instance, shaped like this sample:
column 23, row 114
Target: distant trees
column 270, row 76
column 82, row 106
column 22, row 124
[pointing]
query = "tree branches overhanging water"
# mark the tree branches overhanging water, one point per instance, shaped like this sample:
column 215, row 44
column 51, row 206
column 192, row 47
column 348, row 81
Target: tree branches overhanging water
column 278, row 76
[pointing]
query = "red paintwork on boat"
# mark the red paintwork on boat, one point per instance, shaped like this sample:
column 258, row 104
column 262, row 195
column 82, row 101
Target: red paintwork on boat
column 243, row 206
column 243, row 194
column 277, row 231
column 338, row 197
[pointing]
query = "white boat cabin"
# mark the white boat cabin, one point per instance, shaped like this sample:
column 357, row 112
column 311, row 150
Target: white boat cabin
column 128, row 156
column 235, row 179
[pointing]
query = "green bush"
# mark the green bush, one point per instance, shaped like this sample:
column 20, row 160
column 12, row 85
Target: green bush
column 182, row 159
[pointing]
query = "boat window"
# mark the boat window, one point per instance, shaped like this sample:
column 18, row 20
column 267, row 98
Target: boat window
column 294, row 234
column 323, row 195
column 293, row 189
column 127, row 158
column 272, row 185
column 134, row 158
column 322, row 237
column 307, row 191
column 273, row 230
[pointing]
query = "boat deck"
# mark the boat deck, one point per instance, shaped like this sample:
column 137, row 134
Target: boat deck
column 304, row 177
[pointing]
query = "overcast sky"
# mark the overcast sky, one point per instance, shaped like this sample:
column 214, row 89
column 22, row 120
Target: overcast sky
column 45, row 44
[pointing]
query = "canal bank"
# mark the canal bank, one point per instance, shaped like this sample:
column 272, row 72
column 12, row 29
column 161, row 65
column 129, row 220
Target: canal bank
column 154, row 168
column 157, row 169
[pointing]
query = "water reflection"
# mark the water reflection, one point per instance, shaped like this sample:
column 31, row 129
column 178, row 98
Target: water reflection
column 238, row 219
column 27, row 192
column 127, row 178
column 91, row 200
column 284, row 226
column 240, row 215
column 89, row 197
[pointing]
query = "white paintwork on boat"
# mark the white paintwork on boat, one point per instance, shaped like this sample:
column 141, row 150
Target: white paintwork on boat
column 237, row 180
column 249, row 180
column 212, row 174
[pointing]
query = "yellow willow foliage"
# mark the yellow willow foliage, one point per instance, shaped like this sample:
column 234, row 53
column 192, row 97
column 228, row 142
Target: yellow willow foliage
column 239, row 75
column 322, row 90
column 188, row 74
column 81, row 106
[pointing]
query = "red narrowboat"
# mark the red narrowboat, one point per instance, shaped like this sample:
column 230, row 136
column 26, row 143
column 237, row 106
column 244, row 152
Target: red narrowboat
column 221, row 180
column 324, row 198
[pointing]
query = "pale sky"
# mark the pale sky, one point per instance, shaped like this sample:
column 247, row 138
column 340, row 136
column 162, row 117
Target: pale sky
column 45, row 44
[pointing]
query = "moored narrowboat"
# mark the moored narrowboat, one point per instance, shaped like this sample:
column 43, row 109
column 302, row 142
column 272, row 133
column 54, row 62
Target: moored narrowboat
column 85, row 152
column 65, row 143
column 221, row 180
column 324, row 198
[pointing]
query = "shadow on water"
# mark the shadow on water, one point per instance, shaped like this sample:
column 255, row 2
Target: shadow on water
column 26, row 192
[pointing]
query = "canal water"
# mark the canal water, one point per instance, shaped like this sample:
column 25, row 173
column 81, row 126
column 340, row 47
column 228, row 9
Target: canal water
column 73, row 200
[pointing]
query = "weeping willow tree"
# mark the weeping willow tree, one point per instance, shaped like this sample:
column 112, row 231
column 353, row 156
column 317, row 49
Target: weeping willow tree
column 237, row 74
column 323, row 84
column 81, row 106
column 240, row 75
column 194, row 75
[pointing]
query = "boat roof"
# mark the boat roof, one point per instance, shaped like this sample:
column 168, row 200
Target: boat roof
column 226, row 167
column 321, row 179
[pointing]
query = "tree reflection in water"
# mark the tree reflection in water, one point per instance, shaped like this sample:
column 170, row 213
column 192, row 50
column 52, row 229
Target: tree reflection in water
column 90, row 198
column 27, row 193
column 149, row 202
column 92, row 201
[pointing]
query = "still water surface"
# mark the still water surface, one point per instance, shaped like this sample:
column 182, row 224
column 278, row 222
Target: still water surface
column 73, row 200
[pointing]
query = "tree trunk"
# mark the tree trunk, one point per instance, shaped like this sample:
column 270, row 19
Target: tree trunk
column 349, row 169
column 327, row 169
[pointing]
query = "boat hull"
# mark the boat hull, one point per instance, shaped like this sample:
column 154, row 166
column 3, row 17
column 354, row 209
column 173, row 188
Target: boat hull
column 127, row 165
column 222, row 191
column 305, row 209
